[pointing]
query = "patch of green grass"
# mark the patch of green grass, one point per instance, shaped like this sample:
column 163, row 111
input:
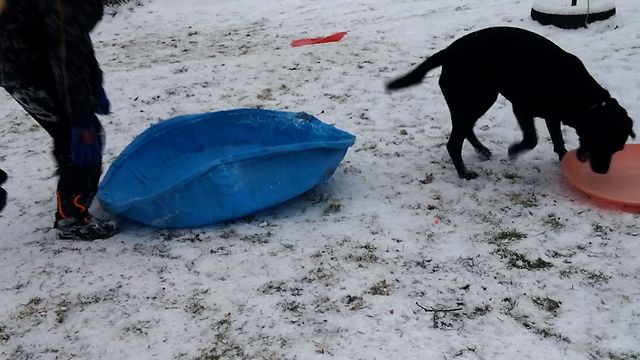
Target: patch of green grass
column 293, row 306
column 480, row 310
column 318, row 274
column 195, row 303
column 553, row 222
column 354, row 302
column 138, row 328
column 591, row 278
column 544, row 332
column 62, row 310
column 273, row 287
column 520, row 261
column 546, row 303
column 33, row 307
column 381, row 288
column 504, row 237
column 258, row 238
column 511, row 175
column 222, row 345
column 556, row 254
column 524, row 200
column 584, row 247
column 332, row 208
column 365, row 254
column 601, row 230
column 595, row 278
column 509, row 235
column 4, row 336
column 549, row 333
column 624, row 356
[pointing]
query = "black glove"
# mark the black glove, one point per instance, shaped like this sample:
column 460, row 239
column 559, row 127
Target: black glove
column 3, row 193
column 103, row 106
column 101, row 102
column 87, row 140
column 86, row 150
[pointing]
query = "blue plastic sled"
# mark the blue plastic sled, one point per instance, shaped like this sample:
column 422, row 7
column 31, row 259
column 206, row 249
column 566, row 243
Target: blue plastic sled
column 201, row 169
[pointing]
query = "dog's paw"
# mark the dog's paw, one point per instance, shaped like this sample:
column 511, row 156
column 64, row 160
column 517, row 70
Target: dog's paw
column 561, row 155
column 484, row 153
column 514, row 151
column 582, row 155
column 469, row 175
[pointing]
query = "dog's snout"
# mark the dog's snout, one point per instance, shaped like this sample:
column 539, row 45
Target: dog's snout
column 600, row 170
column 600, row 167
column 582, row 155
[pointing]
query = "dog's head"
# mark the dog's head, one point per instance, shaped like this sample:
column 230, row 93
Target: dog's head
column 604, row 132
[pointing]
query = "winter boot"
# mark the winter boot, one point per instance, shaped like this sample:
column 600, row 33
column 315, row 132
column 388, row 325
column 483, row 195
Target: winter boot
column 85, row 228
column 74, row 222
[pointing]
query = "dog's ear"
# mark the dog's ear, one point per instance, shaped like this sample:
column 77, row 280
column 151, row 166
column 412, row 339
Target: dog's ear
column 632, row 134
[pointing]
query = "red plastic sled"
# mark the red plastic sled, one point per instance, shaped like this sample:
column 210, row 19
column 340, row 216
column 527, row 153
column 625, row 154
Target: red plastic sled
column 620, row 186
column 321, row 40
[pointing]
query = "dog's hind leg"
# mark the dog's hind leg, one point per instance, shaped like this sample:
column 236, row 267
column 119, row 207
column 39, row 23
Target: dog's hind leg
column 556, row 137
column 482, row 150
column 454, row 146
column 468, row 97
column 462, row 121
column 529, row 136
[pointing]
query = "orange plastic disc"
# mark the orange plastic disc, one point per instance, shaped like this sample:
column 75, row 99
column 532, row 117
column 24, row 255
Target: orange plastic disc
column 621, row 185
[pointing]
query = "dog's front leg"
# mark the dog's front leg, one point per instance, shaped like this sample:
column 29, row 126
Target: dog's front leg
column 529, row 137
column 556, row 137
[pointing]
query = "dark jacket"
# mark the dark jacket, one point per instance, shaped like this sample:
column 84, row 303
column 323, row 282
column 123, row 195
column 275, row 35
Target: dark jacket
column 45, row 46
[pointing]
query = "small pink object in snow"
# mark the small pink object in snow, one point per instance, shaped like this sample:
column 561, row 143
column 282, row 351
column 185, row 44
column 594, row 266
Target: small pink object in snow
column 321, row 40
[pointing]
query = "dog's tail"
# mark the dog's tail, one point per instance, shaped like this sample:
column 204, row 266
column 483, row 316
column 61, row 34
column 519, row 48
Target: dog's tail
column 415, row 77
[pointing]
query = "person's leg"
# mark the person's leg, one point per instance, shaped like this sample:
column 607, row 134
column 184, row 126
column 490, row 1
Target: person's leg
column 77, row 186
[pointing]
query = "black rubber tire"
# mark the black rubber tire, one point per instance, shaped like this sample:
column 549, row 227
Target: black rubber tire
column 570, row 21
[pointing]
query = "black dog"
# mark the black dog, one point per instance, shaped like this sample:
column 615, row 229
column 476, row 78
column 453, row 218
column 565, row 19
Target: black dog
column 539, row 79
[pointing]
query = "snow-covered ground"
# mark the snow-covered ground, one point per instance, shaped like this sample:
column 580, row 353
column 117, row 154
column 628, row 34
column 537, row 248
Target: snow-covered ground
column 531, row 268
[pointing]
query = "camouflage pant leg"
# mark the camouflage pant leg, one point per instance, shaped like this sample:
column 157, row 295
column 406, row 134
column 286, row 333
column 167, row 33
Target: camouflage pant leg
column 77, row 186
